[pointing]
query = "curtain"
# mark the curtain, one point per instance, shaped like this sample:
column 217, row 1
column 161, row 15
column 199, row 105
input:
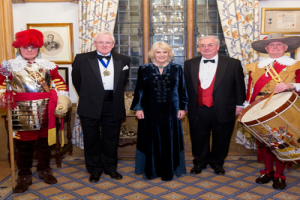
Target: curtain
column 24, row 1
column 7, row 31
column 240, row 24
column 94, row 16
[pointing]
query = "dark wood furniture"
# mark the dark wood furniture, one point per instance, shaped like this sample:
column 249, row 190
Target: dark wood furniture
column 68, row 147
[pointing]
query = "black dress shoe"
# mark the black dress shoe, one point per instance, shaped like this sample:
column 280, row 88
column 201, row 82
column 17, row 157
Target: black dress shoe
column 114, row 175
column 265, row 178
column 219, row 170
column 95, row 177
column 279, row 183
column 197, row 169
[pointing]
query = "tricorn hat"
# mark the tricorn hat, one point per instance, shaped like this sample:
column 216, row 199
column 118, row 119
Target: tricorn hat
column 292, row 42
column 30, row 37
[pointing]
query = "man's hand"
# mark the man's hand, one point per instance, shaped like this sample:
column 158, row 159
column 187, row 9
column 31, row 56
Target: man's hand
column 283, row 86
column 61, row 108
column 63, row 104
column 238, row 110
column 139, row 114
column 181, row 114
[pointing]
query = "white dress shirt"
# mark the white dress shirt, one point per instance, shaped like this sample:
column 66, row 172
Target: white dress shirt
column 207, row 71
column 108, row 81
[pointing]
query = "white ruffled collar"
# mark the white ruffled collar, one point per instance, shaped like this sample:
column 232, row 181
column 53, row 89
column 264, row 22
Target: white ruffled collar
column 284, row 60
column 19, row 63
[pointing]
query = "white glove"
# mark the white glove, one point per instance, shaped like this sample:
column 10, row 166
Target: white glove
column 63, row 104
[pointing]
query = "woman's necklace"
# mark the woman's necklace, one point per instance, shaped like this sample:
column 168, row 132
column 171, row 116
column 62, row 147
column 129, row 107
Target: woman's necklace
column 161, row 66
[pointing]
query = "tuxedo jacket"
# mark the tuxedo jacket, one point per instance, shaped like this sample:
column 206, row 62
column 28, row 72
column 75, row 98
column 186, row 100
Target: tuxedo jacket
column 89, row 86
column 229, row 87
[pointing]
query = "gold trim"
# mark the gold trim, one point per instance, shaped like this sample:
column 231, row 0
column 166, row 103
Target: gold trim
column 59, row 83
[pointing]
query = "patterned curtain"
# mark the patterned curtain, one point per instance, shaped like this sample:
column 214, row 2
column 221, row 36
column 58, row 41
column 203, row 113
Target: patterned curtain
column 24, row 1
column 94, row 16
column 240, row 23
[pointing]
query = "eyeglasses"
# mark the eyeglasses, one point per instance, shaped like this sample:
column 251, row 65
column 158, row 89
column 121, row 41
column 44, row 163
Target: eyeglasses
column 276, row 44
column 102, row 43
column 207, row 45
column 29, row 48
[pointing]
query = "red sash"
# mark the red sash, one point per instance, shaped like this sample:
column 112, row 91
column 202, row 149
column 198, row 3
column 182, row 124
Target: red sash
column 263, row 80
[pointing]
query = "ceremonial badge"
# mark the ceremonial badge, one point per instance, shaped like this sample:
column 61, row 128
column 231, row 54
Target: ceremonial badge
column 106, row 72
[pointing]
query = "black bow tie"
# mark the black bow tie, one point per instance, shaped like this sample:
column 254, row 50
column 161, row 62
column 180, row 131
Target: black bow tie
column 206, row 61
column 100, row 57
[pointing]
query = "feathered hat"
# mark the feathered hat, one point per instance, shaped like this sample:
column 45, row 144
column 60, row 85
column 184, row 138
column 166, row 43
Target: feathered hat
column 30, row 37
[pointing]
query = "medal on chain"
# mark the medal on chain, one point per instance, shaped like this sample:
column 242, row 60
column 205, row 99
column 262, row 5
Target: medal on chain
column 106, row 72
column 105, row 65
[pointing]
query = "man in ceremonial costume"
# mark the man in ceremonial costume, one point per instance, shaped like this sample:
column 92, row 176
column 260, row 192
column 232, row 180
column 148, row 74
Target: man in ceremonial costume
column 99, row 78
column 261, row 83
column 39, row 92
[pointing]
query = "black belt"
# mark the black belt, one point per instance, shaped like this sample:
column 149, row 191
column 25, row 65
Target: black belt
column 263, row 93
column 108, row 95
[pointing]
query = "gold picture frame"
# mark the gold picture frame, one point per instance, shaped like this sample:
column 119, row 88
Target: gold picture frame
column 280, row 20
column 58, row 38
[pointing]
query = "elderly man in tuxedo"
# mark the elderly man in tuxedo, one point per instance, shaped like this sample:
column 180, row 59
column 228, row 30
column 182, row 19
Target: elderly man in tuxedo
column 99, row 78
column 216, row 91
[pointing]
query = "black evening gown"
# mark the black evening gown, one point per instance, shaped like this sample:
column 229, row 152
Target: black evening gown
column 160, row 145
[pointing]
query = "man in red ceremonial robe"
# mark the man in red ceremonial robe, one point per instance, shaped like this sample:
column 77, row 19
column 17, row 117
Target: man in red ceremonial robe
column 261, row 83
column 216, row 90
column 39, row 91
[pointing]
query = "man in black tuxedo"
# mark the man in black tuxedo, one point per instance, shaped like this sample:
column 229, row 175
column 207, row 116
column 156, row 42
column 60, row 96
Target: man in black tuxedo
column 216, row 91
column 99, row 78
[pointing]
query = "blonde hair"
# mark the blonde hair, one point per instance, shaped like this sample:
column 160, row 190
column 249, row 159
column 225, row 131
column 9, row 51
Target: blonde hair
column 162, row 45
column 209, row 36
column 103, row 33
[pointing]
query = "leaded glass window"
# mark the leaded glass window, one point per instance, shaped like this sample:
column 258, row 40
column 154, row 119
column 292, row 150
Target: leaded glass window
column 168, row 24
column 207, row 22
column 128, row 38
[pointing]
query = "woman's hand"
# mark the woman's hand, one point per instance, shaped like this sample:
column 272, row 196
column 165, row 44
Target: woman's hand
column 139, row 114
column 181, row 114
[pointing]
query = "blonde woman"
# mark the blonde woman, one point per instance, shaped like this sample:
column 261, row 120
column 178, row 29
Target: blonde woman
column 160, row 101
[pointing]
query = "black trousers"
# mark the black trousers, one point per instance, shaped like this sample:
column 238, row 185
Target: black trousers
column 101, row 151
column 205, row 122
column 25, row 150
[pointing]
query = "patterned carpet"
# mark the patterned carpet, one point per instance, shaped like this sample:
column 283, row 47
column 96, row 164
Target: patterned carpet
column 238, row 183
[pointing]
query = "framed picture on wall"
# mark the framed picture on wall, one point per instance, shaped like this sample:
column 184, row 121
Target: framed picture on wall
column 64, row 73
column 280, row 20
column 58, row 38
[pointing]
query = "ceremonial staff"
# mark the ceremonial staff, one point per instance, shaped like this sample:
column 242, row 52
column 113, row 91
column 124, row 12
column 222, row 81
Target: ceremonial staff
column 6, row 102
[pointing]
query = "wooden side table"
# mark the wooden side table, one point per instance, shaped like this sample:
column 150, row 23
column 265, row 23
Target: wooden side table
column 59, row 151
